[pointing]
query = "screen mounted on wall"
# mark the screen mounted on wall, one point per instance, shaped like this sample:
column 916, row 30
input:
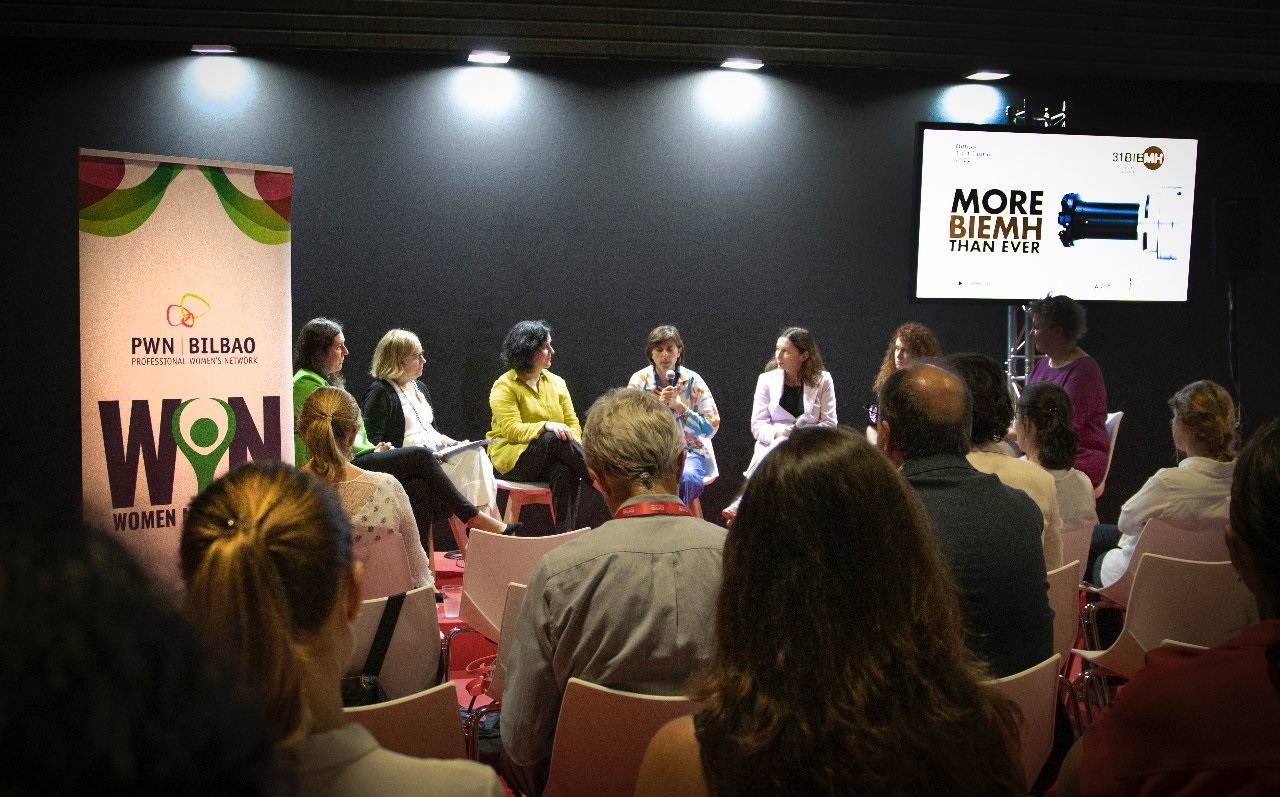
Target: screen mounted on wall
column 1015, row 214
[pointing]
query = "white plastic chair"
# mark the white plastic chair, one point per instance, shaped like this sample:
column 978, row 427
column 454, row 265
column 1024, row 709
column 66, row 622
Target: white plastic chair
column 1075, row 546
column 424, row 725
column 492, row 679
column 601, row 736
column 1113, row 429
column 493, row 562
column 1064, row 599
column 386, row 567
column 1200, row 541
column 412, row 663
column 1197, row 603
column 1035, row 690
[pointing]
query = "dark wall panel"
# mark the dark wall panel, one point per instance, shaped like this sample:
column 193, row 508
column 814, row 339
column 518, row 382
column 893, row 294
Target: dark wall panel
column 606, row 199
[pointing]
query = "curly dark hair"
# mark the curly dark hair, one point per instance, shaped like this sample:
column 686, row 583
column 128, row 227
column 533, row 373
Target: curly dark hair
column 1047, row 408
column 883, row 635
column 919, row 340
column 1060, row 311
column 311, row 348
column 523, row 341
column 992, row 404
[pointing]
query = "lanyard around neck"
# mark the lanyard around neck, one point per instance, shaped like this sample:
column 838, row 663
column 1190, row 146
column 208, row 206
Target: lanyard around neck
column 642, row 508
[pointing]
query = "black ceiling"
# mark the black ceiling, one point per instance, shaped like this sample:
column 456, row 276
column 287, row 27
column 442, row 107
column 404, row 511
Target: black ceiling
column 1236, row 40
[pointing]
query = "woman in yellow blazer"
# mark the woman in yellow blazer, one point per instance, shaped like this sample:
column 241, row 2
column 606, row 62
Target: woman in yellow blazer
column 538, row 435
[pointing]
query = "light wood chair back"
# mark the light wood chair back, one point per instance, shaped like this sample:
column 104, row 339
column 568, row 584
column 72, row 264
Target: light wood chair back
column 601, row 737
column 413, row 657
column 1035, row 690
column 424, row 725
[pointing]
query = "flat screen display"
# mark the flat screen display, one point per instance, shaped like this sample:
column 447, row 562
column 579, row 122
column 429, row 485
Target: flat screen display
column 1013, row 215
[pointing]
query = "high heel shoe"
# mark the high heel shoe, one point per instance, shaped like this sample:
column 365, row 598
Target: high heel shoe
column 511, row 529
column 730, row 512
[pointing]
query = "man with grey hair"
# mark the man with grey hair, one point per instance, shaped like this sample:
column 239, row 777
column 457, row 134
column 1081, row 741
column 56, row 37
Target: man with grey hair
column 628, row 605
column 989, row 534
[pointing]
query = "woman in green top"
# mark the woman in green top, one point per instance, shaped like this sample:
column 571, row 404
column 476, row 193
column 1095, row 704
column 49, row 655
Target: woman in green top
column 317, row 362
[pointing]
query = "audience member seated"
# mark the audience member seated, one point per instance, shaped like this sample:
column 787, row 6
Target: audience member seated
column 793, row 392
column 1046, row 433
column 397, row 409
column 989, row 533
column 1204, row 433
column 536, row 429
column 690, row 400
column 317, row 361
column 1057, row 325
column 908, row 342
column 106, row 689
column 628, row 605
column 375, row 503
column 992, row 416
column 272, row 586
column 840, row 667
column 1204, row 722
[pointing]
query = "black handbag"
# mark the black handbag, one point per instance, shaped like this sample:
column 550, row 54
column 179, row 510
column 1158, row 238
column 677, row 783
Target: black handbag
column 365, row 689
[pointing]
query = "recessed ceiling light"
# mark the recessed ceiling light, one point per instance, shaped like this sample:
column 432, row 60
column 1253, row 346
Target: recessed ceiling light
column 742, row 63
column 213, row 49
column 488, row 57
column 986, row 74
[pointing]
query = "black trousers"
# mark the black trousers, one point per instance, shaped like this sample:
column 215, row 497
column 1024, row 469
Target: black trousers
column 1105, row 537
column 431, row 493
column 560, row 463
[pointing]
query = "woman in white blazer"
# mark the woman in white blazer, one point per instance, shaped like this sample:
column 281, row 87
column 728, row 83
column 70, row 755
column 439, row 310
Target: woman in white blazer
column 794, row 391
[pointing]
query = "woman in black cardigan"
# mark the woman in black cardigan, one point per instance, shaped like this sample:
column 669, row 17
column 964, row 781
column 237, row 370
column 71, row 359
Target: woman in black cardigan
column 397, row 409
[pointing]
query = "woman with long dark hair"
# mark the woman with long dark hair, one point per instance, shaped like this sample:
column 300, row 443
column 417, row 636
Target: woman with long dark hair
column 794, row 392
column 1046, row 432
column 1057, row 323
column 874, row 691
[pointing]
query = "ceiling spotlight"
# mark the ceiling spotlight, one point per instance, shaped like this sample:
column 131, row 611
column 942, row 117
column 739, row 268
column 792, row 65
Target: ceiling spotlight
column 742, row 63
column 213, row 49
column 986, row 74
column 488, row 57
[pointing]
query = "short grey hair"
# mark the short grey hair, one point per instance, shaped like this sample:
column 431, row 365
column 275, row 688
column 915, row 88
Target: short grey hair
column 632, row 435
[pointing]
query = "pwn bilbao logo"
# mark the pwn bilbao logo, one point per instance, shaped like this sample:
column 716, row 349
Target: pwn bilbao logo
column 205, row 431
column 186, row 311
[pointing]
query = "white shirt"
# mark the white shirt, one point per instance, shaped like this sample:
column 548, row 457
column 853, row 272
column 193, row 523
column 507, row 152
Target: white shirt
column 1075, row 499
column 1198, row 489
column 1035, row 481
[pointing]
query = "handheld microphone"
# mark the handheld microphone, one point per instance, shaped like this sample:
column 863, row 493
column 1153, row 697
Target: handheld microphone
column 671, row 377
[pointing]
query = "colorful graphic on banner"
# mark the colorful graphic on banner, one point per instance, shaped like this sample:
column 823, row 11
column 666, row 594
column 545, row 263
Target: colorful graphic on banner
column 184, row 336
column 1017, row 215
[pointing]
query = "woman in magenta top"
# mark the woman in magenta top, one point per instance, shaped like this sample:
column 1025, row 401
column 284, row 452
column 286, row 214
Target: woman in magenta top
column 1057, row 324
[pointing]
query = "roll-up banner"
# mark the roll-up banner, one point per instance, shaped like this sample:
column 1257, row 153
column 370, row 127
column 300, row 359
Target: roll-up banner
column 185, row 345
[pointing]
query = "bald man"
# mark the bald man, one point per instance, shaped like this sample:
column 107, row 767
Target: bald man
column 989, row 534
